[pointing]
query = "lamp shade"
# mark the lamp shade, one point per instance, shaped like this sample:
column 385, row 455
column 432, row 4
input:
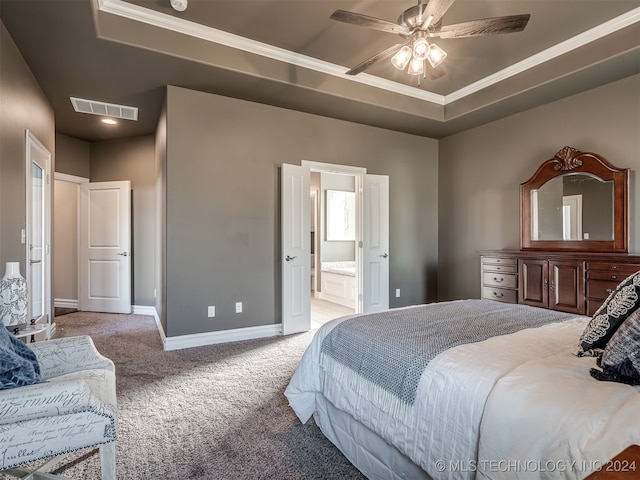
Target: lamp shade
column 401, row 58
column 436, row 55
column 416, row 67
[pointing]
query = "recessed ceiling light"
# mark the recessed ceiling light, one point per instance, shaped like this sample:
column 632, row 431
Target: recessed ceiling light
column 108, row 121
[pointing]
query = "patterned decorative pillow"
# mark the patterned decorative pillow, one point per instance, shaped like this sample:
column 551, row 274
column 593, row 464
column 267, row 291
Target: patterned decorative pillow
column 18, row 364
column 622, row 302
column 620, row 360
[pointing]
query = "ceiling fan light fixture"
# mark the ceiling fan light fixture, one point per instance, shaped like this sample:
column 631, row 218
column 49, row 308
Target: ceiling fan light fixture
column 416, row 67
column 436, row 55
column 421, row 48
column 401, row 58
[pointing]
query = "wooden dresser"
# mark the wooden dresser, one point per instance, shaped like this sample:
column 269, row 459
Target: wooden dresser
column 575, row 282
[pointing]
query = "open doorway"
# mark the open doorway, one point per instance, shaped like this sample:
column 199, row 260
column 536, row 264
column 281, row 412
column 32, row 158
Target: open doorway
column 371, row 242
column 334, row 258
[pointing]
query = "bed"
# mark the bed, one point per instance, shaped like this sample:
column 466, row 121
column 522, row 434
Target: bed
column 500, row 394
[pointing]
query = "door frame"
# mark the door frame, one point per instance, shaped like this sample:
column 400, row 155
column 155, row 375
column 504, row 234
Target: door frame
column 34, row 148
column 358, row 173
column 77, row 181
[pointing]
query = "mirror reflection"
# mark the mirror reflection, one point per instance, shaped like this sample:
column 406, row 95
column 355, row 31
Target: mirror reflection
column 573, row 207
column 341, row 215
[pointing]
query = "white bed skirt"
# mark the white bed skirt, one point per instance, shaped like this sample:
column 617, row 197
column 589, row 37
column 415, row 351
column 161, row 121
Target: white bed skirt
column 370, row 454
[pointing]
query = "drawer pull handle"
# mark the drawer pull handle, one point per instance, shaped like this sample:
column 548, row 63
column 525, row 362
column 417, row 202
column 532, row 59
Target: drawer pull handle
column 498, row 280
column 496, row 294
column 609, row 291
column 614, row 277
column 613, row 267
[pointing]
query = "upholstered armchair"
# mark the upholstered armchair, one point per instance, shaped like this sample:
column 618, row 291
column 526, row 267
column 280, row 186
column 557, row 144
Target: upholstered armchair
column 71, row 407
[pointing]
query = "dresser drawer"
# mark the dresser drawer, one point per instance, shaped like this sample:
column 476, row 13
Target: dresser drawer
column 499, row 261
column 496, row 279
column 490, row 267
column 600, row 289
column 610, row 276
column 624, row 270
column 500, row 294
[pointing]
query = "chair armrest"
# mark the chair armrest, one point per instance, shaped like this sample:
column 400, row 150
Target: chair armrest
column 52, row 399
column 66, row 355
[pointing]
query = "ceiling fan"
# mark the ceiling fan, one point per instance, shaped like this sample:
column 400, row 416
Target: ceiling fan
column 419, row 23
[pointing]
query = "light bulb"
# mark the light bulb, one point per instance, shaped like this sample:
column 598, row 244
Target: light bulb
column 401, row 58
column 436, row 55
column 416, row 66
column 421, row 48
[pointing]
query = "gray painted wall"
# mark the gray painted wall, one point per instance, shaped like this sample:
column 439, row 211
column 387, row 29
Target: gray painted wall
column 73, row 156
column 22, row 106
column 133, row 159
column 481, row 170
column 222, row 204
column 160, row 248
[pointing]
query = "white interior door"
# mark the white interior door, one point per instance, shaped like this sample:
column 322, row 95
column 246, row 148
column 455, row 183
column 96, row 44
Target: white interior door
column 296, row 249
column 375, row 243
column 105, row 247
column 38, row 233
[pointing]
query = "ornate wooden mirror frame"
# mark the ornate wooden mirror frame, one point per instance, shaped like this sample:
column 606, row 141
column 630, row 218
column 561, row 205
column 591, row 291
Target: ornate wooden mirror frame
column 572, row 161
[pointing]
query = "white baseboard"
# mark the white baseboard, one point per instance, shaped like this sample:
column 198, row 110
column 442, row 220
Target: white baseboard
column 223, row 336
column 144, row 310
column 206, row 338
column 149, row 310
column 65, row 303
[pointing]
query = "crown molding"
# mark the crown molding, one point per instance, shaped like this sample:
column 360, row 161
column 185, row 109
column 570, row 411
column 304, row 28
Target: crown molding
column 602, row 30
column 185, row 27
column 196, row 30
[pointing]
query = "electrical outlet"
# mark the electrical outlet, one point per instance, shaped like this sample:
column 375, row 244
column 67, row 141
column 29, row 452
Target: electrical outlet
column 397, row 292
column 211, row 311
column 238, row 307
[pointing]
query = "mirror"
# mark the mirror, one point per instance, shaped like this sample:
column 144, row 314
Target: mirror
column 341, row 215
column 573, row 207
column 575, row 201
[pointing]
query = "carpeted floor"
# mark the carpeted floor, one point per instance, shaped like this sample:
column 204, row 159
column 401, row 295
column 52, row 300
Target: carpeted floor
column 215, row 412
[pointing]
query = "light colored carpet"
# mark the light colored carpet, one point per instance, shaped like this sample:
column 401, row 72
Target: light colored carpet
column 214, row 412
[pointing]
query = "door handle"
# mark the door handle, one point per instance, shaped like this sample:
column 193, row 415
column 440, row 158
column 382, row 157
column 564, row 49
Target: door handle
column 288, row 258
column 124, row 254
column 34, row 261
column 384, row 255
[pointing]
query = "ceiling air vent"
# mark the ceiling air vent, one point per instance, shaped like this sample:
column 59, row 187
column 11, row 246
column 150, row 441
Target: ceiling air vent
column 105, row 109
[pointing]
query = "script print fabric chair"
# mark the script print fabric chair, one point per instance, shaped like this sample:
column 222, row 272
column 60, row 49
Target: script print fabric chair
column 72, row 407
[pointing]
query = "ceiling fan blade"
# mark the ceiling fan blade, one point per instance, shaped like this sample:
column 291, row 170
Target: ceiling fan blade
column 370, row 22
column 486, row 26
column 377, row 57
column 435, row 10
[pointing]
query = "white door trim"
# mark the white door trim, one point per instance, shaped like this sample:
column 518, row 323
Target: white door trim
column 35, row 147
column 77, row 180
column 358, row 173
